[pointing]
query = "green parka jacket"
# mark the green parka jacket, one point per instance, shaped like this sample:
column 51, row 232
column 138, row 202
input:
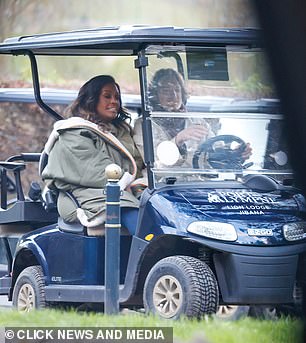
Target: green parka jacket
column 78, row 155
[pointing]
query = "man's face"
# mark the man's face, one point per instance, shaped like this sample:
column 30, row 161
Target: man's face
column 170, row 95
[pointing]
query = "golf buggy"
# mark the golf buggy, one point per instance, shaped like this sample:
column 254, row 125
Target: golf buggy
column 214, row 228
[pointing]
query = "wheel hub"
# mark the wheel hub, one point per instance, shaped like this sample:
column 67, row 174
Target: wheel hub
column 26, row 298
column 167, row 296
column 226, row 310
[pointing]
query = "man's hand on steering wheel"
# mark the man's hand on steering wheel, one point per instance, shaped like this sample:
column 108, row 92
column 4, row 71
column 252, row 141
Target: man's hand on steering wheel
column 247, row 153
column 194, row 132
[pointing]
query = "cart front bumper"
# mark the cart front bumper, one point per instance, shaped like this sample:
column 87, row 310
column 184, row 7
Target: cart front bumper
column 245, row 279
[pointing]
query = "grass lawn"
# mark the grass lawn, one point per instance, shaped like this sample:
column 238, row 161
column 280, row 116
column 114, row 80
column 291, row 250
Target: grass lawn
column 209, row 330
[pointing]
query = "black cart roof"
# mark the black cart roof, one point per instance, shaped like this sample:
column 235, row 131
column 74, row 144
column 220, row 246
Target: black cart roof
column 125, row 40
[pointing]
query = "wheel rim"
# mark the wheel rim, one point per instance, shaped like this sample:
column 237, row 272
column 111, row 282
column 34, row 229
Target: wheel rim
column 270, row 313
column 167, row 296
column 26, row 298
column 226, row 311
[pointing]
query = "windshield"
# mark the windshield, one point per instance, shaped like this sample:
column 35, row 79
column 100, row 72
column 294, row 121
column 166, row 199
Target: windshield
column 210, row 76
column 221, row 149
column 215, row 112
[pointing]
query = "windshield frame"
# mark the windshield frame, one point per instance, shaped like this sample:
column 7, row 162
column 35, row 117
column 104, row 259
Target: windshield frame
column 148, row 114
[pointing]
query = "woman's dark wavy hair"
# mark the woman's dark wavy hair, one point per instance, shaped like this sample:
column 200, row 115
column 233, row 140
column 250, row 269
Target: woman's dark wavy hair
column 85, row 105
column 162, row 74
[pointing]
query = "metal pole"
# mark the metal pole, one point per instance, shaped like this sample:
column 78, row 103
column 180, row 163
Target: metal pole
column 3, row 189
column 112, row 240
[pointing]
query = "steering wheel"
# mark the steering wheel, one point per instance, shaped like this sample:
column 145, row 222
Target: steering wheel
column 220, row 153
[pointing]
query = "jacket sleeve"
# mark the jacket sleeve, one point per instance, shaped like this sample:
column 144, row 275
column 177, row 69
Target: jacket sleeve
column 137, row 136
column 78, row 157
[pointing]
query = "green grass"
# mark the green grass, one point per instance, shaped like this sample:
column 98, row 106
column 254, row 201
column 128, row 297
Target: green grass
column 248, row 330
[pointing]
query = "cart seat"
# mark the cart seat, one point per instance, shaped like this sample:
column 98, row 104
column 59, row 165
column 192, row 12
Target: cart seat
column 70, row 227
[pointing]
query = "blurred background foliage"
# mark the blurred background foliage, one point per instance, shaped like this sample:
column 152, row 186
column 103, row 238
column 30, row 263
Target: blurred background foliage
column 26, row 17
column 22, row 17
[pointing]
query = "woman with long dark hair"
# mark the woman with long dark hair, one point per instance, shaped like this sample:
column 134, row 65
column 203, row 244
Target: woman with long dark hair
column 81, row 147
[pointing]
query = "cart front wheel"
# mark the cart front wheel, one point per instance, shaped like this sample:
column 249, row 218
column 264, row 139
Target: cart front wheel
column 180, row 285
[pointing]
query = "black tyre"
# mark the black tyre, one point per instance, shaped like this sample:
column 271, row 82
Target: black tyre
column 180, row 285
column 232, row 312
column 29, row 290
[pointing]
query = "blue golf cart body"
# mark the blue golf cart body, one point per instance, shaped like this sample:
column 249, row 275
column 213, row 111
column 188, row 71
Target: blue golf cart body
column 212, row 230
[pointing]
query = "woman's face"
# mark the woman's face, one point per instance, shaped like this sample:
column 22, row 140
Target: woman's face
column 109, row 103
column 169, row 94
